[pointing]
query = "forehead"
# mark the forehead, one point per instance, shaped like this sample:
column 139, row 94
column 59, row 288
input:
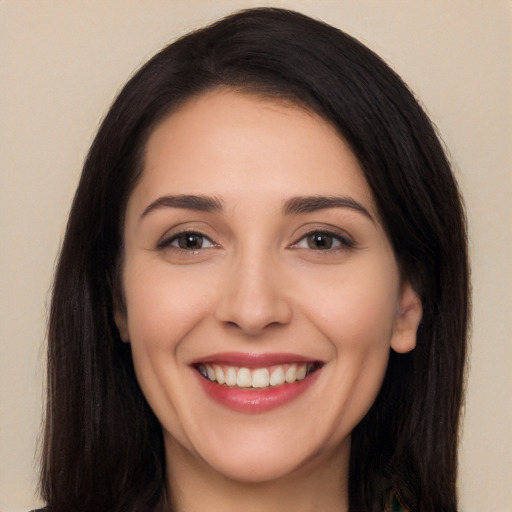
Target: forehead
column 222, row 141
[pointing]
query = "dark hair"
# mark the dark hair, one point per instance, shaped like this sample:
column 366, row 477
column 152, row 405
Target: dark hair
column 103, row 448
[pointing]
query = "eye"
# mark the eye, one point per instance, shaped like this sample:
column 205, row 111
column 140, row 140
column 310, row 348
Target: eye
column 324, row 241
column 186, row 241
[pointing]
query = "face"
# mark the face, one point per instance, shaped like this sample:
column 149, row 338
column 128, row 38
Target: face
column 262, row 294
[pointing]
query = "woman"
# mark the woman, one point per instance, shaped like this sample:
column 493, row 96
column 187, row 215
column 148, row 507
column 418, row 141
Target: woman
column 261, row 300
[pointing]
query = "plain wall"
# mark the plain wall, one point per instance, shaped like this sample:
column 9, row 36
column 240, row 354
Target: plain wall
column 63, row 61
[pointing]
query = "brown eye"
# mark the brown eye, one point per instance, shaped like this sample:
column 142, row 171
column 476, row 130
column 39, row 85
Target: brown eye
column 190, row 241
column 321, row 241
column 186, row 241
column 325, row 241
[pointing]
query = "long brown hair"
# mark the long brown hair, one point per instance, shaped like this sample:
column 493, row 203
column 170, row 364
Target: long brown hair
column 103, row 448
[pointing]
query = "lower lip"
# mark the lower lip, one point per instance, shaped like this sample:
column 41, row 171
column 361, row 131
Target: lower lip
column 256, row 400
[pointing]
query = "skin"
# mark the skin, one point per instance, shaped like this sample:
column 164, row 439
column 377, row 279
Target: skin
column 255, row 283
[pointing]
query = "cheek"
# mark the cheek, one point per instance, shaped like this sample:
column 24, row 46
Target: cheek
column 162, row 310
column 356, row 313
column 360, row 336
column 357, row 309
column 162, row 306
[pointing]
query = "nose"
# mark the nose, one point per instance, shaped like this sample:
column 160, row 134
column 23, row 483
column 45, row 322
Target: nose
column 254, row 298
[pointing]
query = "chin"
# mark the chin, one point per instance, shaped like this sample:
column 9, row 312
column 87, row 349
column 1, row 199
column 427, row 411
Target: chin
column 259, row 468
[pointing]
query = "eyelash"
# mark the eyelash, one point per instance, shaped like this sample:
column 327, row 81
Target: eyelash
column 168, row 241
column 344, row 242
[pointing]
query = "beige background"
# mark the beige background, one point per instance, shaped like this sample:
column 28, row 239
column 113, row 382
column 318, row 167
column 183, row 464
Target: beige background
column 63, row 61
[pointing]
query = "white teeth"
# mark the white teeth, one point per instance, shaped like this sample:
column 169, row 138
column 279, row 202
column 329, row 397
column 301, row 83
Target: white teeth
column 243, row 379
column 291, row 374
column 301, row 372
column 210, row 372
column 231, row 376
column 260, row 378
column 277, row 378
column 219, row 374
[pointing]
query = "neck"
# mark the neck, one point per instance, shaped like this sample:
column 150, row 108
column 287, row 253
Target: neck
column 194, row 486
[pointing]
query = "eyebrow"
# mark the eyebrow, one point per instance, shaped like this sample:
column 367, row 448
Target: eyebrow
column 308, row 204
column 189, row 202
column 294, row 205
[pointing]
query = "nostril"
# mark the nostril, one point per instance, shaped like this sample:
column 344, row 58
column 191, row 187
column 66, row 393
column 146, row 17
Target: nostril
column 253, row 329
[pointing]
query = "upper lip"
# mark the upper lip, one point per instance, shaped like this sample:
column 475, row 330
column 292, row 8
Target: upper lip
column 253, row 359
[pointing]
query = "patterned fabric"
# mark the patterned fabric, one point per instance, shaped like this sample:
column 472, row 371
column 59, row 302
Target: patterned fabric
column 394, row 502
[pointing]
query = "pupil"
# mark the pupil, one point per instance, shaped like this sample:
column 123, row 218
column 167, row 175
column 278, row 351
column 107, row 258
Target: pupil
column 191, row 241
column 320, row 241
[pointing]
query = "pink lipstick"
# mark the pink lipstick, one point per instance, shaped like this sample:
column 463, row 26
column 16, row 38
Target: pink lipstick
column 255, row 383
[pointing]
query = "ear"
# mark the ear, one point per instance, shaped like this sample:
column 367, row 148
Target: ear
column 407, row 320
column 122, row 324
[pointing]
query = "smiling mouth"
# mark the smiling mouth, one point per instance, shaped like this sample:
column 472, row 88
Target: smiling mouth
column 257, row 378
